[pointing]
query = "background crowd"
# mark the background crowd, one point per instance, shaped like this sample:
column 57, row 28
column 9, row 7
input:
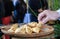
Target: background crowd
column 13, row 11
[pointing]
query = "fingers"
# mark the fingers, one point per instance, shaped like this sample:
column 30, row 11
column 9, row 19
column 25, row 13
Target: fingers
column 43, row 17
column 45, row 20
column 40, row 16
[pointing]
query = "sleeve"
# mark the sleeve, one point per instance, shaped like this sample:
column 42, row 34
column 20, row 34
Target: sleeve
column 58, row 13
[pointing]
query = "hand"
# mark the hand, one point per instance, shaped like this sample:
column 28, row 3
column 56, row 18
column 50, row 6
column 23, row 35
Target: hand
column 40, row 10
column 47, row 15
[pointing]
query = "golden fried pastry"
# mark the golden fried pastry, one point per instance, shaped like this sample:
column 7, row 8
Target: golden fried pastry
column 32, row 24
column 17, row 30
column 36, row 29
column 20, row 30
column 28, row 30
column 12, row 31
column 24, row 29
column 39, row 25
column 24, row 26
column 14, row 27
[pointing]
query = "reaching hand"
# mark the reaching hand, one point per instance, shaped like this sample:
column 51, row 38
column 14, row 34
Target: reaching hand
column 47, row 15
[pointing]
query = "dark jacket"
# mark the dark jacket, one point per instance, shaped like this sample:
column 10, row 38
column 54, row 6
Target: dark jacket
column 37, row 4
column 8, row 5
column 21, row 10
column 1, row 10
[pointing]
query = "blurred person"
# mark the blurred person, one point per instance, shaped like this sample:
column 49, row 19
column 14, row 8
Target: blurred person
column 19, row 10
column 37, row 6
column 8, row 8
column 7, row 14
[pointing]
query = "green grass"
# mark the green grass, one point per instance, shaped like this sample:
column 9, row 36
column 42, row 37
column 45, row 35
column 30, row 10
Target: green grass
column 54, row 4
column 57, row 29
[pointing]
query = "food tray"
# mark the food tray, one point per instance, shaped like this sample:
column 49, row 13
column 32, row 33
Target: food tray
column 5, row 29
